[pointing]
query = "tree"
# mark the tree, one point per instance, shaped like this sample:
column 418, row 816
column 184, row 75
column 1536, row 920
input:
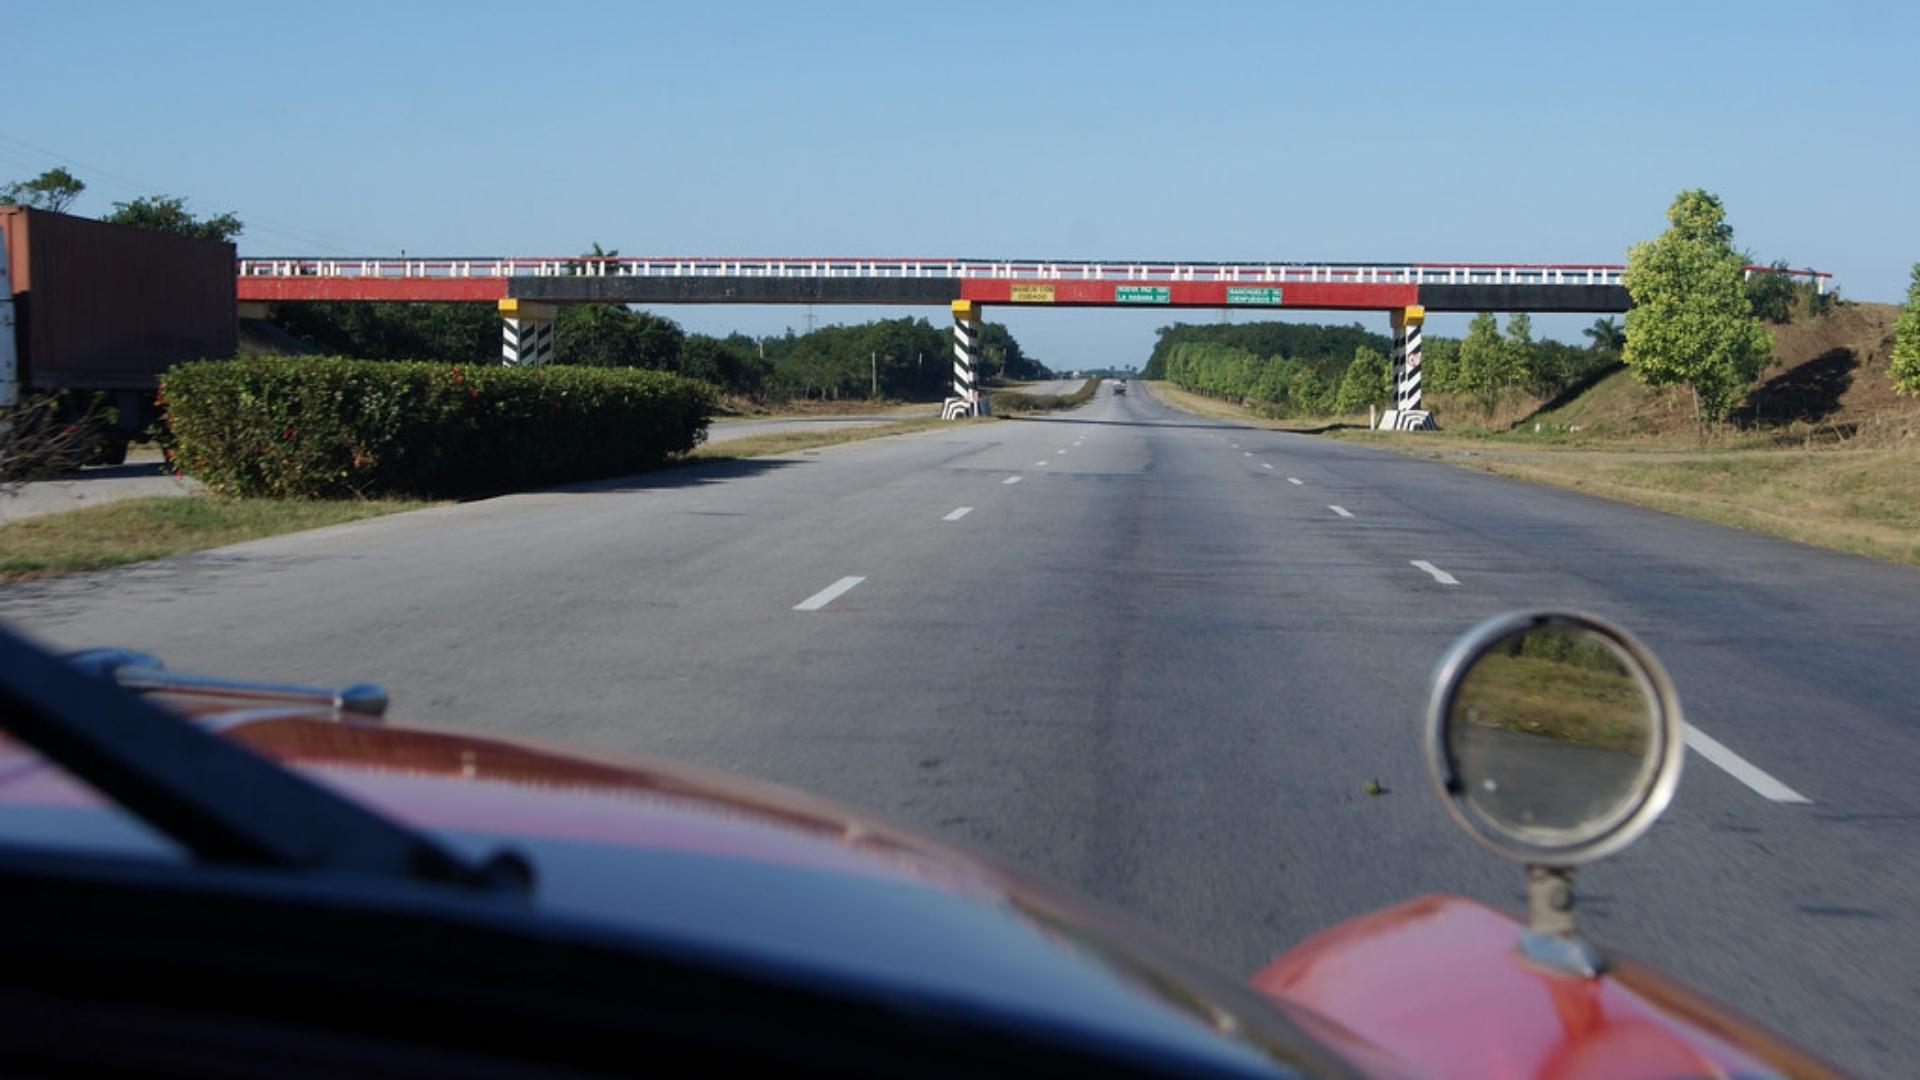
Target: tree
column 1440, row 364
column 1905, row 367
column 53, row 190
column 1365, row 382
column 1480, row 366
column 1770, row 293
column 613, row 335
column 169, row 214
column 1521, row 361
column 456, row 333
column 1607, row 335
column 1691, row 321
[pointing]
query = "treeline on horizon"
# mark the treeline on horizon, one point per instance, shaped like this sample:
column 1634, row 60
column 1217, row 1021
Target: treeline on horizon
column 906, row 359
column 1289, row 370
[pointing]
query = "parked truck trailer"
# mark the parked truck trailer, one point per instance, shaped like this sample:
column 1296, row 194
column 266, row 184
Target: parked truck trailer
column 101, row 310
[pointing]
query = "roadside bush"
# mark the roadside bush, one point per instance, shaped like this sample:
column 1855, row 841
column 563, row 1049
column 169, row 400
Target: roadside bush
column 324, row 427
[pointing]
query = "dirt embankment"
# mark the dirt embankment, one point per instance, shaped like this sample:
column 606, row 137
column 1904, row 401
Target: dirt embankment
column 1828, row 386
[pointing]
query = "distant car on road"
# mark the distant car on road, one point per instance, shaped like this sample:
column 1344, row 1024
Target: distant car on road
column 1120, row 386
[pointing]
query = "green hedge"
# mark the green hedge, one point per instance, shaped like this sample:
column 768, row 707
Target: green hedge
column 319, row 427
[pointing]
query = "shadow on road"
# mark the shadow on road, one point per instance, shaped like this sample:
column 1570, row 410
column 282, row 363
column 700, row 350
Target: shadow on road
column 667, row 478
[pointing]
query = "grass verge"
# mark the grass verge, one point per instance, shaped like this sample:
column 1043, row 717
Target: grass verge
column 1014, row 403
column 1221, row 409
column 1863, row 501
column 735, row 406
column 134, row 530
column 787, row 442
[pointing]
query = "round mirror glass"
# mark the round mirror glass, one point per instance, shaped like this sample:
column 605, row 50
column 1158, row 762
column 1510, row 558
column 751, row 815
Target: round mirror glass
column 1554, row 735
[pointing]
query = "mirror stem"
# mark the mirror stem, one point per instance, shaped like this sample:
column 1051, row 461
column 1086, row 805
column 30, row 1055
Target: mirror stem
column 1550, row 941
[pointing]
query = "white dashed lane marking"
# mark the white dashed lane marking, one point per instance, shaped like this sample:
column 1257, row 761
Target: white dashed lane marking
column 1011, row 480
column 1341, row 510
column 1439, row 575
column 828, row 595
column 958, row 514
column 1293, row 480
column 1741, row 769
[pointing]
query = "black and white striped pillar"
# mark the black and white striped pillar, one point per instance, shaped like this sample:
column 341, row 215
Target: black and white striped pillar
column 967, row 399
column 1406, row 357
column 526, row 333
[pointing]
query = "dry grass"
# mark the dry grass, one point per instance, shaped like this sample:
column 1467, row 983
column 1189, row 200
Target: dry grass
column 1221, row 409
column 1863, row 501
column 731, row 405
column 134, row 530
column 787, row 442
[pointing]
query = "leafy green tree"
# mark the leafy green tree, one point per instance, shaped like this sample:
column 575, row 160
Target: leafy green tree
column 1481, row 366
column 732, row 363
column 613, row 335
column 1439, row 364
column 1365, row 382
column 169, row 214
column 1691, row 321
column 53, row 190
column 1905, row 366
column 1521, row 360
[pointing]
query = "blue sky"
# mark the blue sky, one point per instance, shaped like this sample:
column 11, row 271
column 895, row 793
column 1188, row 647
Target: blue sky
column 1524, row 132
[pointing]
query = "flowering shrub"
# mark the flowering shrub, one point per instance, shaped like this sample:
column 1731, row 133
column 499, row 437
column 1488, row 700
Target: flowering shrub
column 322, row 427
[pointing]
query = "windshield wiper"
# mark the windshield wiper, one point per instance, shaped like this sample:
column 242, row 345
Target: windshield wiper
column 217, row 799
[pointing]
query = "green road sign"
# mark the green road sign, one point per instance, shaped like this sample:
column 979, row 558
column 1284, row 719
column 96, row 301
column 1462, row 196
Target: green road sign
column 1142, row 294
column 1241, row 294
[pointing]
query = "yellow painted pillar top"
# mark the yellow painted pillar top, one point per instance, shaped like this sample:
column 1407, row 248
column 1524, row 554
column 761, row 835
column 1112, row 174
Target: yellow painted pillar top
column 512, row 308
column 966, row 309
column 1411, row 315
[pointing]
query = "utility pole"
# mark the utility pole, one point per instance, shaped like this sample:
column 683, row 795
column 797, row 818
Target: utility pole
column 873, row 362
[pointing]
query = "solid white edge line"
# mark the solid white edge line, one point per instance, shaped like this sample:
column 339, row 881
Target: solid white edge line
column 1341, row 510
column 828, row 595
column 958, row 514
column 1439, row 575
column 1741, row 769
column 1011, row 480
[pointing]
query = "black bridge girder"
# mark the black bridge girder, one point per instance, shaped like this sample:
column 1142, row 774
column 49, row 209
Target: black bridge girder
column 735, row 290
column 1594, row 298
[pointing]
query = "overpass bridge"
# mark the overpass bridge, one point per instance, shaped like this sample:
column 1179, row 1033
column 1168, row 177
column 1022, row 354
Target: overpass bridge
column 528, row 291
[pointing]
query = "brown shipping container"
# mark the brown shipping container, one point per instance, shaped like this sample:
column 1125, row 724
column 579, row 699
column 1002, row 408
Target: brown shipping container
column 109, row 307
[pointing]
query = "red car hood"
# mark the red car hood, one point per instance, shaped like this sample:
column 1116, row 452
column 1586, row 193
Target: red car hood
column 748, row 869
column 752, row 871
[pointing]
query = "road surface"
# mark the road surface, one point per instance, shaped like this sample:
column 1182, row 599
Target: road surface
column 1158, row 657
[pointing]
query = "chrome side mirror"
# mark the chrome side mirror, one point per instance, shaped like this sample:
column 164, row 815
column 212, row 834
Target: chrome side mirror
column 1555, row 739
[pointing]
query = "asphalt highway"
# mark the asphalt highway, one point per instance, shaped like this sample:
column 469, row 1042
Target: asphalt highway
column 1155, row 656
